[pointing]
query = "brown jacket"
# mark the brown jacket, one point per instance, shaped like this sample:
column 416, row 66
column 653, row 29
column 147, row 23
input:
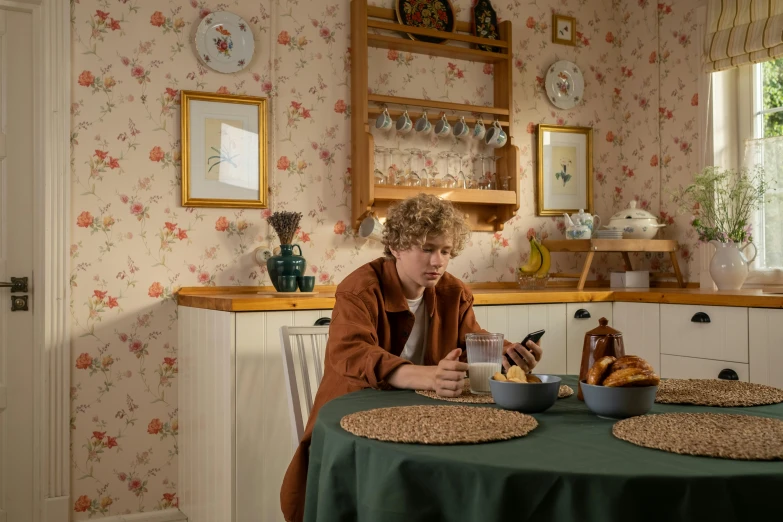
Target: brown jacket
column 370, row 325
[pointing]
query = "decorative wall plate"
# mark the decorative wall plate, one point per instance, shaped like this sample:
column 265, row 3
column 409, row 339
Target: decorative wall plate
column 431, row 14
column 224, row 42
column 484, row 23
column 565, row 84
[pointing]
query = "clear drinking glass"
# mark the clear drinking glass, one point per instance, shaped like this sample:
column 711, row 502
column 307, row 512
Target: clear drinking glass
column 413, row 177
column 485, row 353
column 380, row 166
column 396, row 174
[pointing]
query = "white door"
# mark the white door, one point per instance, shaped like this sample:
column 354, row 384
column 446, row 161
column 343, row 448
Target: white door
column 16, row 260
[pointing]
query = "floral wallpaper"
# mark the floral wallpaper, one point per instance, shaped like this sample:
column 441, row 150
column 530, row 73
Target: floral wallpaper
column 134, row 245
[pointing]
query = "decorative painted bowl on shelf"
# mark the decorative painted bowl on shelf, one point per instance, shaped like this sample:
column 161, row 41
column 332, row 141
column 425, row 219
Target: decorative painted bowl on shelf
column 636, row 223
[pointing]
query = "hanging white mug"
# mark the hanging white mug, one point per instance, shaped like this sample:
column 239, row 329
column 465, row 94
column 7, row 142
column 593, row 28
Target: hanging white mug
column 460, row 129
column 404, row 123
column 423, row 125
column 383, row 121
column 442, row 128
column 479, row 131
column 371, row 228
column 496, row 137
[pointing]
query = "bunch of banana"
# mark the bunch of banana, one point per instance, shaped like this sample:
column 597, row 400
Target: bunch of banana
column 539, row 261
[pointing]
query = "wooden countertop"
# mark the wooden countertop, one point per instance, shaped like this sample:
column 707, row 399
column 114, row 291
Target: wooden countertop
column 259, row 299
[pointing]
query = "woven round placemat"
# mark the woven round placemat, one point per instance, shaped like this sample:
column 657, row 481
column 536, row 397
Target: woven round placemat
column 716, row 392
column 721, row 435
column 438, row 424
column 485, row 398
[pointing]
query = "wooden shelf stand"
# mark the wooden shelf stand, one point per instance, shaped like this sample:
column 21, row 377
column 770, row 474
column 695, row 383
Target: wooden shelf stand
column 486, row 210
column 622, row 246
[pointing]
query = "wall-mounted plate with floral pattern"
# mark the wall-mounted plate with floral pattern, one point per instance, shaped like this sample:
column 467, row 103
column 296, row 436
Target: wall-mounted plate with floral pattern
column 565, row 84
column 224, row 42
column 431, row 14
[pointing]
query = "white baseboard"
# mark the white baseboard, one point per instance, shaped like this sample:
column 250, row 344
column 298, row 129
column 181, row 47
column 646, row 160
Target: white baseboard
column 165, row 515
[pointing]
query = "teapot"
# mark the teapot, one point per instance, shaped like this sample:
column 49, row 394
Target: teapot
column 592, row 221
column 575, row 229
column 599, row 342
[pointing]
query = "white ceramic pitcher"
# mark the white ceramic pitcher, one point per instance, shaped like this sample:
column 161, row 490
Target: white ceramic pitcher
column 729, row 267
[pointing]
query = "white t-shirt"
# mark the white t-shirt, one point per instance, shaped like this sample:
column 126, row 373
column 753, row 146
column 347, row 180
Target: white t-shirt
column 417, row 342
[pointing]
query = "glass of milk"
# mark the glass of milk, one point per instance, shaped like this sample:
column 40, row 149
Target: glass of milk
column 485, row 352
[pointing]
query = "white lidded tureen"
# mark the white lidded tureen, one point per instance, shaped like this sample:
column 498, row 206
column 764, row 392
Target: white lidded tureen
column 636, row 223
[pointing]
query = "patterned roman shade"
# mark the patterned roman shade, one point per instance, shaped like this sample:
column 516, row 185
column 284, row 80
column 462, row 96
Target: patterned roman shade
column 741, row 32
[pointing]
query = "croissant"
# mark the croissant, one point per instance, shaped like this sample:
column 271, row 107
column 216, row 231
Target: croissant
column 600, row 369
column 631, row 361
column 632, row 377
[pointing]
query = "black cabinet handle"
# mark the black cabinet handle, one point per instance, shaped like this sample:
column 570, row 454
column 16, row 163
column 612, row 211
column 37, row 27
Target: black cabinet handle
column 322, row 321
column 700, row 317
column 582, row 314
column 728, row 374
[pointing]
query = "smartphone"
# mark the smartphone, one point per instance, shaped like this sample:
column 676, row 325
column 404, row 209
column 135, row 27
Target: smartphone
column 532, row 336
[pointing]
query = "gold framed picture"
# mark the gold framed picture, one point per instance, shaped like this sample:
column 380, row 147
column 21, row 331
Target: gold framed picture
column 563, row 29
column 565, row 170
column 224, row 157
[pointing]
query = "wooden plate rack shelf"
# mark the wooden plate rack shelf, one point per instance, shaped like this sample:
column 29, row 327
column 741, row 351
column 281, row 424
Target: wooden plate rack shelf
column 486, row 210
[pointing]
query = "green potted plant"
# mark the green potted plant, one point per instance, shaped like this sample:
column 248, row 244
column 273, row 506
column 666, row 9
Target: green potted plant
column 721, row 202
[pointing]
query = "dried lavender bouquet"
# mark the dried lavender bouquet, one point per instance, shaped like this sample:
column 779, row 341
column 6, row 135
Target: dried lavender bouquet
column 285, row 224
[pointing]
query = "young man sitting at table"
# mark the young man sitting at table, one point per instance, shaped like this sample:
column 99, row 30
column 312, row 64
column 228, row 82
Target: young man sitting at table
column 399, row 322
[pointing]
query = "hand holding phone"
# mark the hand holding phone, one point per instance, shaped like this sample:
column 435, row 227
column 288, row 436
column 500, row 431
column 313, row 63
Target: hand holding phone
column 532, row 336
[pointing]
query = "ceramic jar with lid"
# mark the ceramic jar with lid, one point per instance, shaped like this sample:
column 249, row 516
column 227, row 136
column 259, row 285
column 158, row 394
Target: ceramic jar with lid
column 636, row 223
column 599, row 342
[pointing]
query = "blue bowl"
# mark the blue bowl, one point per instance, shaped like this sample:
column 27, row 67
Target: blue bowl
column 526, row 398
column 618, row 402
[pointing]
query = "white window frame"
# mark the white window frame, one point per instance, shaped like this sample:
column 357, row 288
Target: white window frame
column 750, row 125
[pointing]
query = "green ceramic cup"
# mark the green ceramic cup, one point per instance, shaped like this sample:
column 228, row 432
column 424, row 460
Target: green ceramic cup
column 286, row 283
column 306, row 283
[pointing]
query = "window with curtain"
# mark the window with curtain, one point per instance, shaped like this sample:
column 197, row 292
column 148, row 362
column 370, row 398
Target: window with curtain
column 744, row 39
column 764, row 146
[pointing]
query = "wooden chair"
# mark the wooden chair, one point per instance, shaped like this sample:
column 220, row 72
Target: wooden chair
column 303, row 348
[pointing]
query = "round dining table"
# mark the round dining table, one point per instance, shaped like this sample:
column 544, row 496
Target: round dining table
column 569, row 469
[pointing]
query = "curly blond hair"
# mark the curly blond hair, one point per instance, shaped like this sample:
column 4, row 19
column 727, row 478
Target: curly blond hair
column 410, row 222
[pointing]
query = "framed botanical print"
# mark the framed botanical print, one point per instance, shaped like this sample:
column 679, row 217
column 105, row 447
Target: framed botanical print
column 563, row 29
column 224, row 155
column 565, row 170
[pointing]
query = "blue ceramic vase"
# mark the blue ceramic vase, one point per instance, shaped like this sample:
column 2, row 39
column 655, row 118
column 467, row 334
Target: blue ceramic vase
column 286, row 264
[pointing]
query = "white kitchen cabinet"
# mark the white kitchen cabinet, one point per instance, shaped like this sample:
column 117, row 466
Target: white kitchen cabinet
column 677, row 367
column 766, row 346
column 581, row 318
column 516, row 321
column 640, row 325
column 723, row 338
column 235, row 442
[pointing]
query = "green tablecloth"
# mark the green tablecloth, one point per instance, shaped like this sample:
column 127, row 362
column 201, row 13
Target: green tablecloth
column 569, row 469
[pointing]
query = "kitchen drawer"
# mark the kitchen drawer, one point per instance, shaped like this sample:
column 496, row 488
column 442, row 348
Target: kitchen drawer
column 576, row 328
column 766, row 346
column 724, row 338
column 676, row 367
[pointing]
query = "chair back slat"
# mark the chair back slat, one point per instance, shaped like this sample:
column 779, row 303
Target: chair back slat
column 304, row 370
column 304, row 349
